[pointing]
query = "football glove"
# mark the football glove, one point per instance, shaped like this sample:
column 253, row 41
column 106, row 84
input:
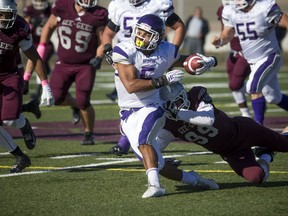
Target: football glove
column 207, row 63
column 96, row 62
column 108, row 53
column 47, row 98
column 171, row 77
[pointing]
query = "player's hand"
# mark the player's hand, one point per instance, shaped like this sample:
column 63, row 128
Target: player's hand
column 96, row 62
column 207, row 62
column 26, row 87
column 174, row 76
column 47, row 98
column 108, row 53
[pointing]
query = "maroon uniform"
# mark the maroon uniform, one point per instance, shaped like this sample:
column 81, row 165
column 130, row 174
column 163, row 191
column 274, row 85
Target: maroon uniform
column 232, row 138
column 77, row 34
column 78, row 42
column 11, row 78
column 238, row 68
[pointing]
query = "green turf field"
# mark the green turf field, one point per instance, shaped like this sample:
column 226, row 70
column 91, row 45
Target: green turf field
column 69, row 179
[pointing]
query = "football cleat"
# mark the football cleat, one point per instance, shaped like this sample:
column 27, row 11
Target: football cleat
column 154, row 191
column 28, row 134
column 173, row 161
column 33, row 107
column 88, row 140
column 118, row 150
column 203, row 183
column 21, row 163
column 75, row 115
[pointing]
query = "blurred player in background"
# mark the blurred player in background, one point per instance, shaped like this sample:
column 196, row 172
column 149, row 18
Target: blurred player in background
column 254, row 22
column 237, row 68
column 123, row 16
column 15, row 34
column 37, row 15
column 79, row 25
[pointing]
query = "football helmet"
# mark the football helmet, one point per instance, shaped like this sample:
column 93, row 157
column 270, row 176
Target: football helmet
column 8, row 13
column 175, row 98
column 148, row 32
column 40, row 4
column 242, row 4
column 136, row 3
column 86, row 4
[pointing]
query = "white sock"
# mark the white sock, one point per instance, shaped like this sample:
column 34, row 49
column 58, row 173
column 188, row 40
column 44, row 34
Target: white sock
column 189, row 178
column 153, row 177
column 245, row 112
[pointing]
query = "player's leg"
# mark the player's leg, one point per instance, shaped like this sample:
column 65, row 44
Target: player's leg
column 22, row 160
column 84, row 82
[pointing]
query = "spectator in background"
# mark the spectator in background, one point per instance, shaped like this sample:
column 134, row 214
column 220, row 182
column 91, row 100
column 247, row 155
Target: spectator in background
column 37, row 15
column 237, row 68
column 197, row 28
column 79, row 25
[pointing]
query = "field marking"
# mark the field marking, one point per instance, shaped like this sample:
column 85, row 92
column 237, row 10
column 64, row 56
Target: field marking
column 114, row 161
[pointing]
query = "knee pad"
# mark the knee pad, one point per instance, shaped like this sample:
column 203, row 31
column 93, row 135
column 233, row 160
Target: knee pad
column 271, row 96
column 17, row 123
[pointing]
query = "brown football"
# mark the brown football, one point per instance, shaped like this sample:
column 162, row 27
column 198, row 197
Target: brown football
column 191, row 64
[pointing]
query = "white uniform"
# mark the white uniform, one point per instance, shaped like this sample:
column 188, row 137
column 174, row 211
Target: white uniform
column 141, row 113
column 256, row 31
column 124, row 15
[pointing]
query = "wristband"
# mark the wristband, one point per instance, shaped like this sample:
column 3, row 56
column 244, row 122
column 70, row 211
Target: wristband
column 44, row 82
column 27, row 76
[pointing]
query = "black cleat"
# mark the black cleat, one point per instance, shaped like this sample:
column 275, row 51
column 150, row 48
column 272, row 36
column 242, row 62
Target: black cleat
column 118, row 150
column 33, row 107
column 21, row 163
column 173, row 161
column 75, row 115
column 28, row 134
column 88, row 140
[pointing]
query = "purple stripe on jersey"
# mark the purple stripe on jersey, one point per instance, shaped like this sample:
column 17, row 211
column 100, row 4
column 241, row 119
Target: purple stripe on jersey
column 149, row 124
column 258, row 77
column 171, row 8
column 120, row 51
column 273, row 8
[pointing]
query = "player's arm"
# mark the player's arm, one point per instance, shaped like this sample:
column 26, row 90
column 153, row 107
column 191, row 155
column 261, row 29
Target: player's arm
column 284, row 21
column 97, row 60
column 225, row 37
column 176, row 23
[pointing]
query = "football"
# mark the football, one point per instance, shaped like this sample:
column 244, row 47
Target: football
column 191, row 64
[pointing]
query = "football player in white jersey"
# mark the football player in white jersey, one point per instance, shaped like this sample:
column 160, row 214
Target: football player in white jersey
column 254, row 21
column 123, row 16
column 140, row 65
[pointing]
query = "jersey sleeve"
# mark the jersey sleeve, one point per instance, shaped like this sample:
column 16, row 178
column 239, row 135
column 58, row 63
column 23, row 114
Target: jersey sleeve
column 113, row 12
column 227, row 16
column 122, row 54
column 166, row 8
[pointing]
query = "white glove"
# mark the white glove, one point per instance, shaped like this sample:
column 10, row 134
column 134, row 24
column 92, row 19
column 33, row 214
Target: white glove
column 47, row 98
column 207, row 63
column 174, row 76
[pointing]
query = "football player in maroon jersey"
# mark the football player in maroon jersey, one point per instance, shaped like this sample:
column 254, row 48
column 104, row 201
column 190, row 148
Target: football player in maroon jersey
column 79, row 25
column 192, row 117
column 15, row 34
column 37, row 15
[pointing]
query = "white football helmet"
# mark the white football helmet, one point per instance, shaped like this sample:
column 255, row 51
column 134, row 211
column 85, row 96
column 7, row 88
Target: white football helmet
column 8, row 13
column 154, row 28
column 242, row 4
column 175, row 97
column 40, row 4
column 86, row 4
